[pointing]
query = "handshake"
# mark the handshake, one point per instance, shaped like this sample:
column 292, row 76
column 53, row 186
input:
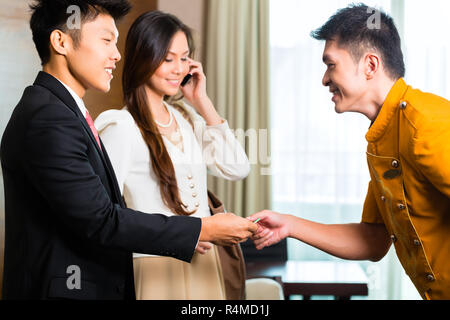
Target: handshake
column 227, row 229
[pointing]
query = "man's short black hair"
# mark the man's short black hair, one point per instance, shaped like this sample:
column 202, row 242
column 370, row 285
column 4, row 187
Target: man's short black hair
column 355, row 29
column 50, row 15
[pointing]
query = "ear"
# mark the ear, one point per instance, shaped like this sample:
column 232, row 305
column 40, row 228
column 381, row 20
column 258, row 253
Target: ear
column 60, row 42
column 372, row 64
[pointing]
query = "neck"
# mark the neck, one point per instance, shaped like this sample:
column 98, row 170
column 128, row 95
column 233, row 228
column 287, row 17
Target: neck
column 65, row 76
column 155, row 102
column 380, row 94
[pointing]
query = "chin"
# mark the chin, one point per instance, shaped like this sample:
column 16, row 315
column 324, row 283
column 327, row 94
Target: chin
column 342, row 107
column 171, row 92
column 339, row 111
column 105, row 88
column 164, row 91
column 338, row 108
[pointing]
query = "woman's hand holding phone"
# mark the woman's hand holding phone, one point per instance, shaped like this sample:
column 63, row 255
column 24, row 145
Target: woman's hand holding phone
column 194, row 90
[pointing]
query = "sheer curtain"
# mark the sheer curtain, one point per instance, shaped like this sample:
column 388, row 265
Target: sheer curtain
column 237, row 68
column 318, row 157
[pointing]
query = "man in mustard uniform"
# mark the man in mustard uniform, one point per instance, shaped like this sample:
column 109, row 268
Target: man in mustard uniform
column 408, row 154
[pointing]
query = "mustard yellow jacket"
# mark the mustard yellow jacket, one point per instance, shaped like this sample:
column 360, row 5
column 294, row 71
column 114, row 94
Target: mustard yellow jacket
column 408, row 155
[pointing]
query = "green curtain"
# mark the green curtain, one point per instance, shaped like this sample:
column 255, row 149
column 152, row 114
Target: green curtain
column 237, row 69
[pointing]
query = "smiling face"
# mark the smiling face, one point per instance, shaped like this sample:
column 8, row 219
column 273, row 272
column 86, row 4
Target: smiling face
column 167, row 78
column 345, row 78
column 92, row 61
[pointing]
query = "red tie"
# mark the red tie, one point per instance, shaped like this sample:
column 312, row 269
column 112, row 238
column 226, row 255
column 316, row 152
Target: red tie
column 91, row 125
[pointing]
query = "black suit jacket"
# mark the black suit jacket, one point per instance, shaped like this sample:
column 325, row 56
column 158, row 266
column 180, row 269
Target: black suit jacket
column 64, row 210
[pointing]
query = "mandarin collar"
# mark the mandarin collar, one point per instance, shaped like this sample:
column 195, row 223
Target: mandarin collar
column 387, row 110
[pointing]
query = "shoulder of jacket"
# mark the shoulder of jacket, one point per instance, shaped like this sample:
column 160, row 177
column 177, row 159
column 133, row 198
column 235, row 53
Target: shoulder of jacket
column 425, row 110
column 120, row 117
column 38, row 101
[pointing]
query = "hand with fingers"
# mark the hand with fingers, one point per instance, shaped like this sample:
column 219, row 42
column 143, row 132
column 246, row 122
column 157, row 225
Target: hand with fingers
column 195, row 93
column 226, row 229
column 195, row 90
column 203, row 247
column 273, row 227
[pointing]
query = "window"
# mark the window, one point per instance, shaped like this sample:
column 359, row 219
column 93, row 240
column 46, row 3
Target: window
column 318, row 157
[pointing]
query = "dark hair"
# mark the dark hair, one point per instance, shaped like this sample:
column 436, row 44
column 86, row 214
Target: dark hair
column 147, row 45
column 50, row 15
column 350, row 28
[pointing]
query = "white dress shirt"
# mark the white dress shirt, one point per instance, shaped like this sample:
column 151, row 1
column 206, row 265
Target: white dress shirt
column 77, row 99
column 212, row 148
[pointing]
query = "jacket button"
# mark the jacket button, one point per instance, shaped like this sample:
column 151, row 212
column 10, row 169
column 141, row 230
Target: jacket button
column 430, row 277
column 192, row 186
column 403, row 105
column 194, row 195
column 393, row 238
column 401, row 206
column 395, row 164
column 416, row 242
column 189, row 177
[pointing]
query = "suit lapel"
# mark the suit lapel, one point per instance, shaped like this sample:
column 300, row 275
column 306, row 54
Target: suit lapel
column 48, row 81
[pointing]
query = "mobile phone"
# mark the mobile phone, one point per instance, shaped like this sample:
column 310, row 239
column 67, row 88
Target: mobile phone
column 186, row 79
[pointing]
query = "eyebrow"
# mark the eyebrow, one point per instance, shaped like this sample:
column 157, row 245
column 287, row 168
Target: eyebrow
column 326, row 58
column 111, row 33
column 176, row 53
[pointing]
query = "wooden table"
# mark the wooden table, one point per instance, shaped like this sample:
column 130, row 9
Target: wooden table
column 339, row 279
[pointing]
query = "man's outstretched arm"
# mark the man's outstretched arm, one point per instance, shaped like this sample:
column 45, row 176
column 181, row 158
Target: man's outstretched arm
column 358, row 241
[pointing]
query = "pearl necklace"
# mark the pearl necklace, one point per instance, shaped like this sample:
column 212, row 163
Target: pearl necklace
column 170, row 120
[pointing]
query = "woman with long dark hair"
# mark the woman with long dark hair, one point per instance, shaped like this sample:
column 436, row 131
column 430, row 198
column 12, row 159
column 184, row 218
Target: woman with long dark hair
column 161, row 149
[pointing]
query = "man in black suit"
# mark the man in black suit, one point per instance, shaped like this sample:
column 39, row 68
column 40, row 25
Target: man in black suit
column 68, row 233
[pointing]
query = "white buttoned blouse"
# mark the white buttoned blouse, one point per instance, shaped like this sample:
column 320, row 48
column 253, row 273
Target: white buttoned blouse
column 206, row 148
